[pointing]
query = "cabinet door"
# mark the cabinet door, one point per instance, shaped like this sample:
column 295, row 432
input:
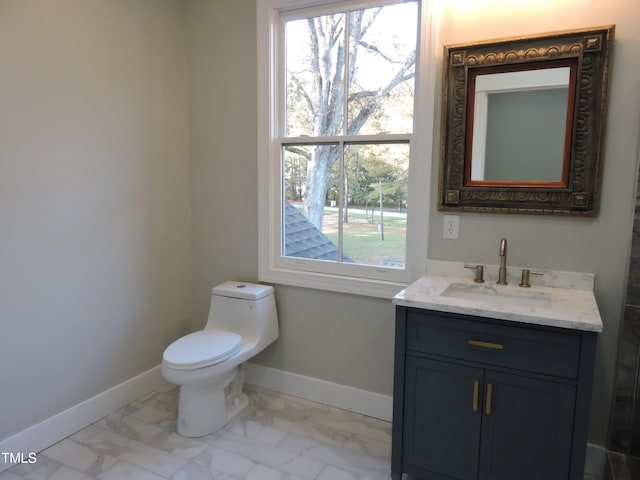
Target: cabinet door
column 442, row 418
column 526, row 428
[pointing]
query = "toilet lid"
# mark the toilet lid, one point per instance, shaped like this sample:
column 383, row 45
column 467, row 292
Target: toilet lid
column 201, row 349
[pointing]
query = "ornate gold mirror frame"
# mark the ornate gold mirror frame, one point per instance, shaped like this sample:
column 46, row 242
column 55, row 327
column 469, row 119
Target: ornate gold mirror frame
column 587, row 53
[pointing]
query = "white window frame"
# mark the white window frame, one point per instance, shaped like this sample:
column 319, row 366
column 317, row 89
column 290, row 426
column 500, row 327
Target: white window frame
column 355, row 279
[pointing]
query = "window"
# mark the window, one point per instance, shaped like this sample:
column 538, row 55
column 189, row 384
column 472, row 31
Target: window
column 344, row 175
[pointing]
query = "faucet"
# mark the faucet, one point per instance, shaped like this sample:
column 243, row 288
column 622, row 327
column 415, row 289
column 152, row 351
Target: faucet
column 502, row 272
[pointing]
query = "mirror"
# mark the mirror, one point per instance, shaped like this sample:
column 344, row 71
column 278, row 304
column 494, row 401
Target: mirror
column 519, row 121
column 523, row 123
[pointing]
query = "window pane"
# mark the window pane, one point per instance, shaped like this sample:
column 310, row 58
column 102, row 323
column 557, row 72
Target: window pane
column 314, row 65
column 369, row 200
column 375, row 215
column 308, row 216
column 382, row 69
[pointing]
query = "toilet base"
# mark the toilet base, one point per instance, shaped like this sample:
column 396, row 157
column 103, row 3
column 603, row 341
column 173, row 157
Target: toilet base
column 203, row 409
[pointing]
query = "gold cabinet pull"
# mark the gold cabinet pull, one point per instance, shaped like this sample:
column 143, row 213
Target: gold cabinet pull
column 489, row 393
column 478, row 343
column 476, row 389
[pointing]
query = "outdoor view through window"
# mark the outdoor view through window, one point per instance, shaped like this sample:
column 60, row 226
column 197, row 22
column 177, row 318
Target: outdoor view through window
column 348, row 124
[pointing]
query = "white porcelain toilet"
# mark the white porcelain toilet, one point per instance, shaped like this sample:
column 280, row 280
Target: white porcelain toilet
column 208, row 364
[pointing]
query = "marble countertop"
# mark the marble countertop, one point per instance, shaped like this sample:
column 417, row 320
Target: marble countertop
column 566, row 304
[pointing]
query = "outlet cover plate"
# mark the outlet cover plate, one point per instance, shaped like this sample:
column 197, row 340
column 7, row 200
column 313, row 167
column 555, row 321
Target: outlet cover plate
column 451, row 227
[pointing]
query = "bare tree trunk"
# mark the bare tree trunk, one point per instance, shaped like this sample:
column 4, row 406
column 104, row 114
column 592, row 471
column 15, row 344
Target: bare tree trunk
column 381, row 212
column 318, row 178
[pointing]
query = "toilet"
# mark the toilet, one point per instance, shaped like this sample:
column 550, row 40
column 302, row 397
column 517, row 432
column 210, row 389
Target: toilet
column 208, row 365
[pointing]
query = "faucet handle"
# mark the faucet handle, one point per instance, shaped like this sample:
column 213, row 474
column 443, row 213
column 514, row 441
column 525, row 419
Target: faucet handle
column 524, row 281
column 479, row 272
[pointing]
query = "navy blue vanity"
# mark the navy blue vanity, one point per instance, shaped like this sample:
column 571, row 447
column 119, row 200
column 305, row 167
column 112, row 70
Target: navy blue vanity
column 489, row 398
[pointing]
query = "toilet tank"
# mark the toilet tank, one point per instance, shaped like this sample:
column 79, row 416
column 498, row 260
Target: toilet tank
column 248, row 309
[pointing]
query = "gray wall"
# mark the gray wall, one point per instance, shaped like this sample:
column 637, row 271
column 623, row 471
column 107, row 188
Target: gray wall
column 95, row 242
column 349, row 339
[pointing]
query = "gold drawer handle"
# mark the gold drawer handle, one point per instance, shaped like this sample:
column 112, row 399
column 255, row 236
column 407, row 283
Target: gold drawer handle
column 477, row 343
column 476, row 389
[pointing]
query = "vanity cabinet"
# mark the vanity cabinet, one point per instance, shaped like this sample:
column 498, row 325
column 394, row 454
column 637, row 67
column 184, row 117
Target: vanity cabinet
column 478, row 398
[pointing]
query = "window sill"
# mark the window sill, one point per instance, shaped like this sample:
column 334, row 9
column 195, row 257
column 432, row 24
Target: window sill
column 333, row 283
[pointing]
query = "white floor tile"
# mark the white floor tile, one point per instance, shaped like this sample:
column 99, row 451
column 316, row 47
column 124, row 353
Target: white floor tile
column 126, row 471
column 219, row 460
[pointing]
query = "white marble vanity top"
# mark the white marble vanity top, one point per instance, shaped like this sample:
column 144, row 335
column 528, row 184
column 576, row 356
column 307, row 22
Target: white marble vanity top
column 562, row 299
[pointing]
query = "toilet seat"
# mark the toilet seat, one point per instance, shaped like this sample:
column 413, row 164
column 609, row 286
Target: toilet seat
column 201, row 349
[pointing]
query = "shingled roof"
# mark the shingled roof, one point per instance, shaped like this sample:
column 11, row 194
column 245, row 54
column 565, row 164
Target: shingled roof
column 304, row 240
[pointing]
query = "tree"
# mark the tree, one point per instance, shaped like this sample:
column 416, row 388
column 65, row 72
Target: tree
column 366, row 167
column 316, row 93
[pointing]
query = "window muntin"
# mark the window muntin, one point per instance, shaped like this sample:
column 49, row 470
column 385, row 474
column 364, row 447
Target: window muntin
column 334, row 171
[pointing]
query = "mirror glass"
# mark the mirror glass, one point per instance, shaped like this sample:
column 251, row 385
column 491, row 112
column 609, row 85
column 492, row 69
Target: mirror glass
column 520, row 125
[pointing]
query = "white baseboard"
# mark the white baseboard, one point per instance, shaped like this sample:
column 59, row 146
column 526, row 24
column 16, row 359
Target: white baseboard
column 53, row 429
column 341, row 396
column 596, row 459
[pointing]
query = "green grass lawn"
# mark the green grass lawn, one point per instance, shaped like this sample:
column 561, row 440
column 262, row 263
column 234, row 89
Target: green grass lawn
column 362, row 240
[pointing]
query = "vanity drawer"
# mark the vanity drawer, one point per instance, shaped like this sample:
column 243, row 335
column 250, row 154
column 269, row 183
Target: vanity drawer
column 522, row 348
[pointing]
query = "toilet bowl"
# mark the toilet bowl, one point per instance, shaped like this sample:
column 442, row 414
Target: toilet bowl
column 208, row 364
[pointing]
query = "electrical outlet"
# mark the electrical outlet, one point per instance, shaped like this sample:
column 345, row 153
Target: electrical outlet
column 451, row 227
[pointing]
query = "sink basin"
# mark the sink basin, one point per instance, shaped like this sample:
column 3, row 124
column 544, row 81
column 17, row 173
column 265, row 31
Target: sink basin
column 497, row 294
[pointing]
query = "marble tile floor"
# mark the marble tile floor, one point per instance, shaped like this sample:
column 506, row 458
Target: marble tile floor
column 278, row 437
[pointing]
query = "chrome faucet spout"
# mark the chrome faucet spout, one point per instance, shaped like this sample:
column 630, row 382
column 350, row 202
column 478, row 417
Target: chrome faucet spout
column 502, row 272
